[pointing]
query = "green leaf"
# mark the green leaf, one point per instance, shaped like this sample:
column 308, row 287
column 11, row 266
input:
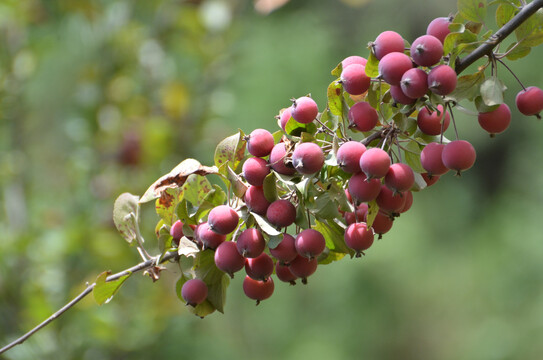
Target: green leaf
column 372, row 66
column 270, row 187
column 529, row 32
column 412, row 156
column 468, row 86
column 166, row 204
column 230, row 150
column 335, row 98
column 215, row 197
column 492, row 91
column 104, row 290
column 265, row 226
column 337, row 70
column 238, row 187
column 187, row 248
column 504, row 13
column 125, row 216
column 518, row 52
column 373, row 209
column 295, row 128
column 334, row 235
column 473, row 10
column 196, row 189
column 164, row 238
column 420, row 183
column 482, row 107
column 454, row 39
column 301, row 216
column 323, row 207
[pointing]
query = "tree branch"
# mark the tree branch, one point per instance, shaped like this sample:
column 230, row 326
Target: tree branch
column 139, row 267
column 506, row 30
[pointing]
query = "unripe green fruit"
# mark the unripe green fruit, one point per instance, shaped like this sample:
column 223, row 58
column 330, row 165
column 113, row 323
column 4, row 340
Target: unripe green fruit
column 430, row 159
column 374, row 163
column 260, row 267
column 223, row 219
column 354, row 79
column 414, row 83
column 281, row 213
column 432, row 123
column 387, row 42
column 400, row 177
column 260, row 143
column 530, row 101
column 348, row 156
column 285, row 251
column 496, row 121
column 362, row 116
column 278, row 156
column 194, row 292
column 308, row 158
column 255, row 170
column 358, row 237
column 442, row 80
column 250, row 243
column 310, row 243
column 392, row 67
column 258, row 290
column 228, row 259
column 439, row 28
column 304, row 110
column 458, row 155
column 426, row 50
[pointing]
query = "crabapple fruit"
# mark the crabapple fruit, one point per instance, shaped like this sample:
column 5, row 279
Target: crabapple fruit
column 284, row 117
column 348, row 156
column 496, row 121
column 278, row 156
column 285, row 251
column 281, row 213
column 430, row 159
column 308, row 158
column 392, row 67
column 250, row 243
column 260, row 143
column 390, row 201
column 388, row 42
column 354, row 59
column 426, row 50
column 354, row 79
column 223, row 219
column 176, row 231
column 210, row 239
column 358, row 215
column 304, row 110
column 433, row 123
column 257, row 289
column 303, row 267
column 363, row 189
column 362, row 116
column 260, row 267
column 194, row 292
column 442, row 80
column 414, row 83
column 458, row 155
column 228, row 258
column 374, row 163
column 439, row 27
column 430, row 179
column 400, row 177
column 382, row 223
column 256, row 200
column 408, row 202
column 399, row 96
column 255, row 170
column 310, row 243
column 358, row 237
column 284, row 274
column 530, row 101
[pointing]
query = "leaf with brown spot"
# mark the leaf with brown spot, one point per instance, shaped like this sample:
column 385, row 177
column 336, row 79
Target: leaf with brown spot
column 230, row 150
column 176, row 178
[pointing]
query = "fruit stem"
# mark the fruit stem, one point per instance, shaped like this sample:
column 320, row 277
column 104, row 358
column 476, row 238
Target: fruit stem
column 512, row 73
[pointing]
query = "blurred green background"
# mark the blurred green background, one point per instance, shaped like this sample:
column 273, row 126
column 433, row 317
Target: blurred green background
column 102, row 97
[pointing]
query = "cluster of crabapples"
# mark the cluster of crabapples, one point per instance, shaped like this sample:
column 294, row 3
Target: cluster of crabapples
column 373, row 174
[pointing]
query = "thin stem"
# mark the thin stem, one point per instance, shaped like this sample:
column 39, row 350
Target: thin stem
column 512, row 73
column 328, row 130
column 453, row 121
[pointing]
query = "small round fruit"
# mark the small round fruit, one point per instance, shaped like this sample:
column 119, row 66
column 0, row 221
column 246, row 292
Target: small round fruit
column 388, row 42
column 530, row 101
column 176, row 231
column 285, row 251
column 354, row 79
column 303, row 267
column 354, row 59
column 228, row 258
column 374, row 163
column 382, row 223
column 390, row 201
column 432, row 123
column 399, row 96
column 278, row 156
column 223, row 219
column 442, row 80
column 284, row 274
column 250, row 243
column 308, row 158
column 362, row 116
column 408, row 202
column 430, row 179
column 310, row 243
column 426, row 50
column 414, row 83
column 304, row 110
column 358, row 237
column 255, row 170
column 400, row 177
column 255, row 200
column 260, row 267
column 497, row 121
column 260, row 143
column 281, row 213
column 348, row 156
column 284, row 117
column 358, row 215
column 458, row 155
column 363, row 189
column 210, row 239
column 257, row 289
column 392, row 67
column 430, row 159
column 439, row 27
column 194, row 292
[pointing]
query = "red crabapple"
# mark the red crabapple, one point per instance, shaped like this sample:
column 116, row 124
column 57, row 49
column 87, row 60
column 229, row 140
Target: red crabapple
column 392, row 67
column 362, row 116
column 250, row 243
column 414, row 83
column 308, row 158
column 304, row 110
column 400, row 177
column 210, row 239
column 426, row 50
column 430, row 159
column 408, row 202
column 194, row 292
column 399, row 96
column 432, row 123
column 228, row 258
column 303, row 267
column 496, row 121
column 256, row 200
column 358, row 215
column 284, row 117
column 278, row 156
column 285, row 251
column 374, row 163
column 284, row 274
column 260, row 143
column 530, row 101
column 260, row 267
column 388, row 42
column 354, row 79
column 458, row 155
column 363, row 189
column 255, row 170
column 442, row 80
column 430, row 179
column 310, row 243
column 176, row 231
column 281, row 213
column 258, row 290
column 390, row 201
column 382, row 223
column 358, row 237
column 223, row 219
column 354, row 59
column 348, row 156
column 439, row 28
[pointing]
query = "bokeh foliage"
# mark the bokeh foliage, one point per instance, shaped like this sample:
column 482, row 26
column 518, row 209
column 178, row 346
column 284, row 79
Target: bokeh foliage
column 101, row 97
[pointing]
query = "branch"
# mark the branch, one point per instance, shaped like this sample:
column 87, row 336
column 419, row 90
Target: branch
column 141, row 266
column 506, row 30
